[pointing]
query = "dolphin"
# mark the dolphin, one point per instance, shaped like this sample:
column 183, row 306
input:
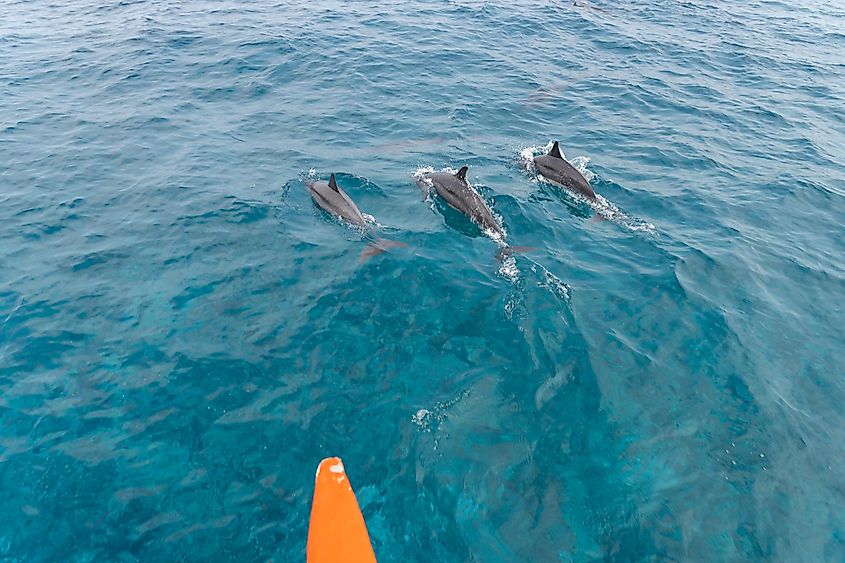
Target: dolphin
column 329, row 197
column 455, row 191
column 554, row 168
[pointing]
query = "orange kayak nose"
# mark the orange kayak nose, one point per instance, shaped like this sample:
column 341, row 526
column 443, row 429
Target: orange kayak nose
column 337, row 531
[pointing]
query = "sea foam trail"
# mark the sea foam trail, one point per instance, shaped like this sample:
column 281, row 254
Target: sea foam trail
column 603, row 207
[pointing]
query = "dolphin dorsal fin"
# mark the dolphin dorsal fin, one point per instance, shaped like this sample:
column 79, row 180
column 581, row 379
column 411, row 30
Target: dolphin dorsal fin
column 332, row 183
column 462, row 173
column 555, row 151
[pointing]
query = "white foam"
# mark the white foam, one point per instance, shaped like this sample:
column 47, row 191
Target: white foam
column 611, row 212
column 508, row 269
column 423, row 171
column 497, row 237
column 554, row 284
column 336, row 468
column 372, row 221
column 511, row 304
column 580, row 164
column 425, row 419
column 526, row 159
column 421, row 417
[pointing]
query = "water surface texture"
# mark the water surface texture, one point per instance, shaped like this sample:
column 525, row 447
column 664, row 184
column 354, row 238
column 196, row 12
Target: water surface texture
column 183, row 335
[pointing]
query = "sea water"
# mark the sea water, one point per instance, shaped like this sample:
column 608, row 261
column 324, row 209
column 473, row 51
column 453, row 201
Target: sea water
column 183, row 335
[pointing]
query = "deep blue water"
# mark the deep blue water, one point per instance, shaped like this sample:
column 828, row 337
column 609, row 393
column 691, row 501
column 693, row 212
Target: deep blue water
column 183, row 335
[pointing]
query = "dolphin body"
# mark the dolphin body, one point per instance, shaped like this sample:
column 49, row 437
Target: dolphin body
column 455, row 191
column 554, row 168
column 329, row 197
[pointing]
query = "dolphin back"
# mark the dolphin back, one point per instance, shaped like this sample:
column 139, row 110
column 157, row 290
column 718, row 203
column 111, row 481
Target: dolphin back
column 554, row 167
column 329, row 197
column 454, row 189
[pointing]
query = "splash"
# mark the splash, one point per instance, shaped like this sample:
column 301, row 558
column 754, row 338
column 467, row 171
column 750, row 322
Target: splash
column 305, row 177
column 580, row 163
column 372, row 221
column 421, row 418
column 425, row 184
column 526, row 158
column 428, row 420
column 423, row 171
column 603, row 207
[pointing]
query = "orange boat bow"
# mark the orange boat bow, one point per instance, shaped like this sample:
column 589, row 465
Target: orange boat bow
column 337, row 531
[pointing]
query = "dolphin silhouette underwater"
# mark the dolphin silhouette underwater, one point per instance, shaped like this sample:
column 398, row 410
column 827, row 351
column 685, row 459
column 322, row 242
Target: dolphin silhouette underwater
column 331, row 198
column 554, row 168
column 456, row 192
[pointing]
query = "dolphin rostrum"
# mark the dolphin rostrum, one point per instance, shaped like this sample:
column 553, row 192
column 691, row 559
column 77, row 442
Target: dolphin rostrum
column 329, row 197
column 554, row 168
column 455, row 191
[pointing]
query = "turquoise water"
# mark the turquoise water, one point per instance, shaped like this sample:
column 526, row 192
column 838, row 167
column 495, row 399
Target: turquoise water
column 183, row 335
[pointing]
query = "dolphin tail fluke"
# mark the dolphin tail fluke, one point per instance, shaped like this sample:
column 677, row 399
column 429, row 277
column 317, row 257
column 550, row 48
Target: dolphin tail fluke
column 555, row 152
column 370, row 251
column 506, row 251
column 380, row 246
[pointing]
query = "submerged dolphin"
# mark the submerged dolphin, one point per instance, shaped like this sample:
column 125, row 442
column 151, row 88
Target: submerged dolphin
column 455, row 191
column 329, row 197
column 556, row 169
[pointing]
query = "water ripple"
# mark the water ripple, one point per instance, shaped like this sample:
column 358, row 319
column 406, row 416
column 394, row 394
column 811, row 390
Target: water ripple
column 183, row 335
